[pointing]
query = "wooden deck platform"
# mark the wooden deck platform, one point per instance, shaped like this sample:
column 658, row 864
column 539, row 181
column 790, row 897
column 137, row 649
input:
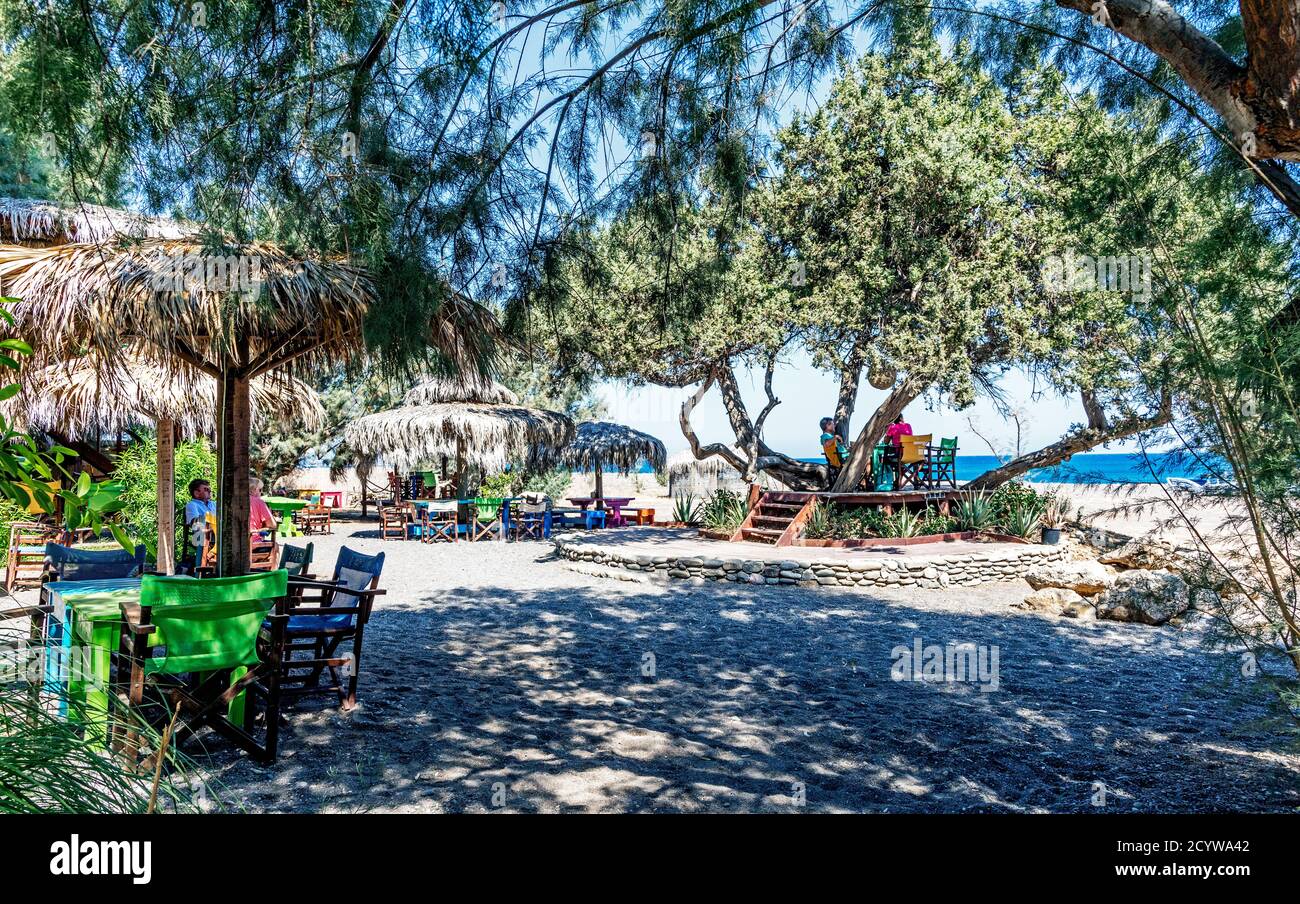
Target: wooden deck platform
column 778, row 517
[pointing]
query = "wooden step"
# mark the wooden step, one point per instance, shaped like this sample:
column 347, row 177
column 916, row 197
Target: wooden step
column 761, row 535
column 770, row 521
column 790, row 507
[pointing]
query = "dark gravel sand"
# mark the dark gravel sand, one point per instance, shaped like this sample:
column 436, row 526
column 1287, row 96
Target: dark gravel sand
column 495, row 677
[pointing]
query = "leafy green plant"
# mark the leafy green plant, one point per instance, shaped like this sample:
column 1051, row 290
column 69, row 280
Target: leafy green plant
column 1010, row 496
column 549, row 483
column 902, row 524
column 1024, row 519
column 935, row 522
column 724, row 510
column 821, row 521
column 975, row 511
column 1056, row 511
column 686, row 509
column 500, row 485
column 137, row 473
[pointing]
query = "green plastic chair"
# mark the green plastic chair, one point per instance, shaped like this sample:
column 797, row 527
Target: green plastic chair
column 210, row 628
column 881, row 478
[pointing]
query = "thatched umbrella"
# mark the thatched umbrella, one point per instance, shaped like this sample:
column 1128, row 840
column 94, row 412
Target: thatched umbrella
column 79, row 397
column 475, row 423
column 26, row 221
column 601, row 443
column 232, row 312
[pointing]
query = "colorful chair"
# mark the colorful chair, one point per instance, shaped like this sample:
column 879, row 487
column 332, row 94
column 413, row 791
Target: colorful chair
column 488, row 522
column 394, row 521
column 438, row 525
column 26, row 563
column 296, row 560
column 914, row 462
column 943, row 463
column 322, row 616
column 70, row 563
column 208, row 660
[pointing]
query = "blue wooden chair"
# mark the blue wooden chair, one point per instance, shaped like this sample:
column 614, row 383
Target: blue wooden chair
column 324, row 615
column 70, row 563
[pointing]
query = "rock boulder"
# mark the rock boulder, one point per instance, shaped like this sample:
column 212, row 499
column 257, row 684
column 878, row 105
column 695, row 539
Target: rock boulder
column 1146, row 597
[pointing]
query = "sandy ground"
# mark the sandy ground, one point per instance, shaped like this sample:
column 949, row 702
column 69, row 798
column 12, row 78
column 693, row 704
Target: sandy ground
column 495, row 678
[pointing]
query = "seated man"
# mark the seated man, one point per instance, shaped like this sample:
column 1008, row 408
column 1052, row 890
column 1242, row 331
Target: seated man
column 200, row 512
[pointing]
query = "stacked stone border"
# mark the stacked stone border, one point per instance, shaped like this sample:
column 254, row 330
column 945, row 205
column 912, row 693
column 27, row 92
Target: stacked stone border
column 999, row 563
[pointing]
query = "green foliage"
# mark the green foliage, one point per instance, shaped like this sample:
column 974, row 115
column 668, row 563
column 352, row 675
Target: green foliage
column 137, row 472
column 686, row 509
column 499, row 486
column 724, row 510
column 1024, row 518
column 1012, row 497
column 549, row 483
column 821, row 521
column 974, row 511
column 46, row 766
column 903, row 523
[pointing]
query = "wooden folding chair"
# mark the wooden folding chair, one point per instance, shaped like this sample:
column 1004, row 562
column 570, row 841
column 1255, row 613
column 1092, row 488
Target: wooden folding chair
column 438, row 525
column 943, row 463
column 914, row 462
column 208, row 662
column 296, row 560
column 394, row 521
column 322, row 616
column 487, row 523
column 26, row 561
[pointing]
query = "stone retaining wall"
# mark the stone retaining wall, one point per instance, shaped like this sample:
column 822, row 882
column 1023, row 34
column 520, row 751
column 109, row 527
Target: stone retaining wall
column 1000, row 563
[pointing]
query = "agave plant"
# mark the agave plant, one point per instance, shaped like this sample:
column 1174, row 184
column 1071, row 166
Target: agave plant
column 1024, row 518
column 1056, row 512
column 821, row 521
column 974, row 511
column 725, row 510
column 902, row 524
column 686, row 508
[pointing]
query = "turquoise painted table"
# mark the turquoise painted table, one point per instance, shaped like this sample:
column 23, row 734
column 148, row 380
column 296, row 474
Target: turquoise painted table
column 84, row 628
column 284, row 507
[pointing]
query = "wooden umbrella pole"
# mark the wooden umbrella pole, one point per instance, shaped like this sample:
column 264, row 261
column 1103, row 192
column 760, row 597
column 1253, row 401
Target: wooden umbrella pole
column 600, row 480
column 232, row 493
column 166, row 557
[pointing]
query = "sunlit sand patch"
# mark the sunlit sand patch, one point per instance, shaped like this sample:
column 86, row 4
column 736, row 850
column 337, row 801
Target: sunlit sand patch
column 593, row 790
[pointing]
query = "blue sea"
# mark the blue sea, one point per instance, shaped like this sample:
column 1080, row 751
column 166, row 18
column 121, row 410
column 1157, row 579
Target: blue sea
column 1087, row 467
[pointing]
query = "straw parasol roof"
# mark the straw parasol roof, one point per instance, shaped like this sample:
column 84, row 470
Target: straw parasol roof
column 30, row 221
column 459, row 389
column 485, row 434
column 77, row 398
column 600, row 443
column 684, row 464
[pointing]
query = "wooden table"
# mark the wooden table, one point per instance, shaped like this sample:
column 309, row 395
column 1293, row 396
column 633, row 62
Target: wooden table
column 284, row 507
column 613, row 503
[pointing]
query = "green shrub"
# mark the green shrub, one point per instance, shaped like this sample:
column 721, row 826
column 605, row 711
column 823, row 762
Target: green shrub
column 686, row 509
column 821, row 521
column 724, row 510
column 137, row 471
column 1009, row 497
column 549, row 483
column 975, row 511
column 1025, row 518
column 499, row 486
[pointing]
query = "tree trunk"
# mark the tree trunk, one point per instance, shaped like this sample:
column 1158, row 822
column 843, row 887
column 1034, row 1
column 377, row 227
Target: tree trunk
column 165, row 561
column 1080, row 441
column 600, row 478
column 232, row 477
column 850, row 379
column 859, row 461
